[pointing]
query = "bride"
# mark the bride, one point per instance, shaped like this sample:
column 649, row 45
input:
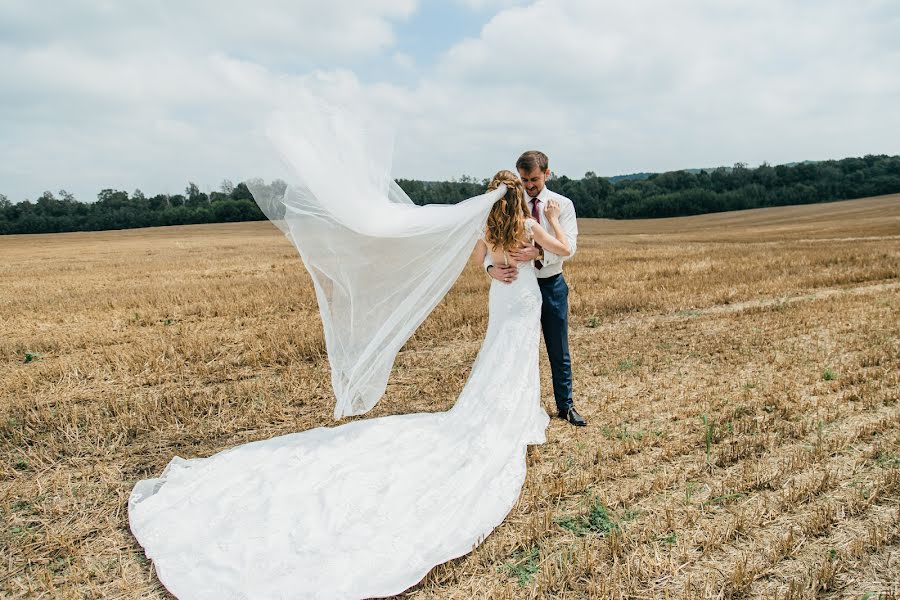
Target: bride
column 367, row 508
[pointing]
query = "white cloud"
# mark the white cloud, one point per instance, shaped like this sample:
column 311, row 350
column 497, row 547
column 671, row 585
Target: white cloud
column 280, row 31
column 96, row 95
column 657, row 85
column 103, row 94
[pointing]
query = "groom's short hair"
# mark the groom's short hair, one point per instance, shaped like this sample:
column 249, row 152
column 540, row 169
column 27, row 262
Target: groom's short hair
column 531, row 160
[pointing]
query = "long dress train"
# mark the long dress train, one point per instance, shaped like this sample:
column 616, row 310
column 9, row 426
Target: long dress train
column 363, row 509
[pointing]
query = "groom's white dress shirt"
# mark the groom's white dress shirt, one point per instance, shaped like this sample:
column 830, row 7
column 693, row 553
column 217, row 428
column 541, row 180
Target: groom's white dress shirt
column 552, row 262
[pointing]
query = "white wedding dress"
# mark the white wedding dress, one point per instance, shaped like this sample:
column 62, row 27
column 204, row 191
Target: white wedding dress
column 291, row 517
column 364, row 509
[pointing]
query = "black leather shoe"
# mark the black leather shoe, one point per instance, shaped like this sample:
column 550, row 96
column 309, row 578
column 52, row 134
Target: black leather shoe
column 574, row 418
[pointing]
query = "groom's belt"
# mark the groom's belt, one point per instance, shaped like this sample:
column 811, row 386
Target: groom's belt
column 548, row 280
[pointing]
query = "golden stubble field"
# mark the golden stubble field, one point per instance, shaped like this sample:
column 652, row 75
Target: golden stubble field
column 739, row 373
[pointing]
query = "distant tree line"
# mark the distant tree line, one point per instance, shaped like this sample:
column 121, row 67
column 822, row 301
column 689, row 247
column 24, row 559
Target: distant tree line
column 670, row 194
column 115, row 209
column 698, row 191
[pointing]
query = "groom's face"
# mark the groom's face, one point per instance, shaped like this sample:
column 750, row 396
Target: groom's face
column 534, row 180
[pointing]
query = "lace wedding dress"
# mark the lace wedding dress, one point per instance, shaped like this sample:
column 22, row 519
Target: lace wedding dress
column 291, row 517
column 367, row 508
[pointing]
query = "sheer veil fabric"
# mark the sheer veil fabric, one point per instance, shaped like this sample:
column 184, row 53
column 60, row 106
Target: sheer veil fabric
column 367, row 508
column 380, row 264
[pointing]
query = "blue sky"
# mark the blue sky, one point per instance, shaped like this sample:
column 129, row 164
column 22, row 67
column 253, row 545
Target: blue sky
column 434, row 28
column 421, row 39
column 97, row 94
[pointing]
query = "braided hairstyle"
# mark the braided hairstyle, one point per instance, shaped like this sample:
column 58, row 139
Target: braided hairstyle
column 506, row 222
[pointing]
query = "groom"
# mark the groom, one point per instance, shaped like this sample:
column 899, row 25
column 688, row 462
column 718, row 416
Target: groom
column 534, row 169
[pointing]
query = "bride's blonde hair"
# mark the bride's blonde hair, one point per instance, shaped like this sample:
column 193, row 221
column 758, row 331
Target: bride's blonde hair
column 506, row 222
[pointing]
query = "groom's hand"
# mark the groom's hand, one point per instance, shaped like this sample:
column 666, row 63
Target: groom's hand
column 503, row 273
column 525, row 254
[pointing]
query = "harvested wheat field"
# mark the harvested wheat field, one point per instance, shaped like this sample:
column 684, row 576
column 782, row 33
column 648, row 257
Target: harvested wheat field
column 739, row 373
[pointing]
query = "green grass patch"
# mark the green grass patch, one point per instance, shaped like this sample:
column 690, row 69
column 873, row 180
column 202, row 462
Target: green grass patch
column 887, row 459
column 624, row 433
column 597, row 521
column 627, row 364
column 523, row 566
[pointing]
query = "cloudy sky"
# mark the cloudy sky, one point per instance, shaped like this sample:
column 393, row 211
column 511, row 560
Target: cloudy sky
column 151, row 95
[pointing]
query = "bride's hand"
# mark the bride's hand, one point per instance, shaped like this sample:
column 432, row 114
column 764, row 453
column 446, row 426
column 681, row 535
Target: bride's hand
column 551, row 211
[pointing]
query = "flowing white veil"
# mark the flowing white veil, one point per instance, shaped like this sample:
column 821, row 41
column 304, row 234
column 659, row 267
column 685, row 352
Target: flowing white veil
column 379, row 263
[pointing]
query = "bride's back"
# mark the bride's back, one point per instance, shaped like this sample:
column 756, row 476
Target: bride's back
column 499, row 256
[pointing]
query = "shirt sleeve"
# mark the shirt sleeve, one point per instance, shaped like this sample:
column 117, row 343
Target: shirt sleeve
column 570, row 230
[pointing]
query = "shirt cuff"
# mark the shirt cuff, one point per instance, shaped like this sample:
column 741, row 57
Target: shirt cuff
column 550, row 258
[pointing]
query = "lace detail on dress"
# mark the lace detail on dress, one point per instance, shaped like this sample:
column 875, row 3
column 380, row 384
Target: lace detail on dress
column 529, row 223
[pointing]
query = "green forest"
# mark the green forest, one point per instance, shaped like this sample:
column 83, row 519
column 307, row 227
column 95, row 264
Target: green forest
column 670, row 194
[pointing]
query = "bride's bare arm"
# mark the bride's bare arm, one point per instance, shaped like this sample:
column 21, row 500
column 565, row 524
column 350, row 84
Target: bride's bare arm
column 480, row 252
column 556, row 243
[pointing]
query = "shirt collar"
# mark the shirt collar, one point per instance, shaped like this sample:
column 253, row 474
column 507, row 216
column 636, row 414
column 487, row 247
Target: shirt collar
column 543, row 196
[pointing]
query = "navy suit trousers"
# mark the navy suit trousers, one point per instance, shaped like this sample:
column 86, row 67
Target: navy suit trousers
column 555, row 325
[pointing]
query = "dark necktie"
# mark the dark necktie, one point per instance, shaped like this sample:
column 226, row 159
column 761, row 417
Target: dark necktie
column 537, row 217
